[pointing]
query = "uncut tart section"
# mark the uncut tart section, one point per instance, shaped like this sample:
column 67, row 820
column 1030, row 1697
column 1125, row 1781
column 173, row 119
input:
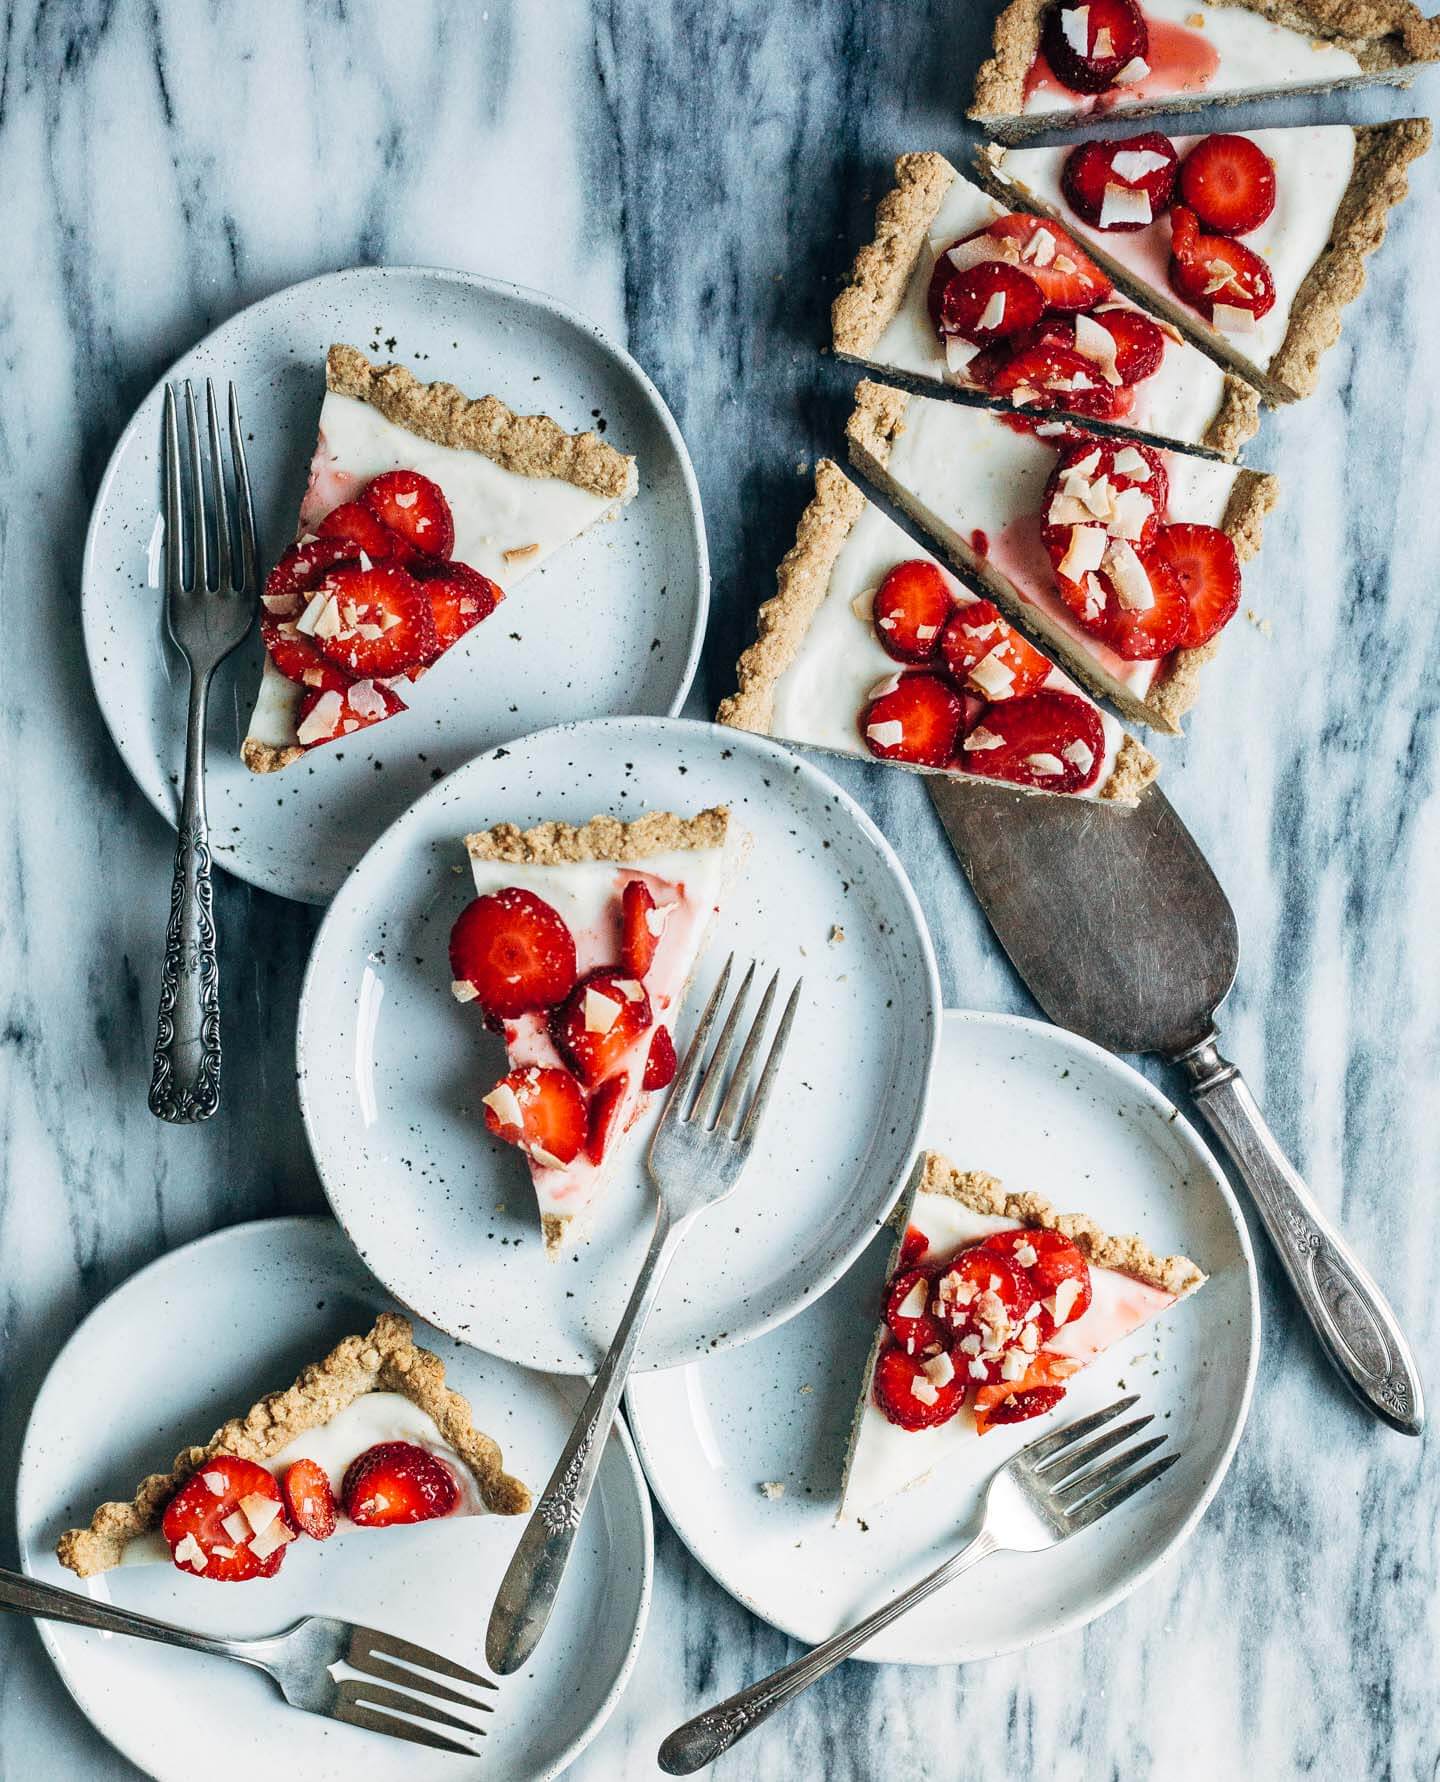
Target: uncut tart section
column 518, row 487
column 817, row 660
column 385, row 1359
column 976, row 479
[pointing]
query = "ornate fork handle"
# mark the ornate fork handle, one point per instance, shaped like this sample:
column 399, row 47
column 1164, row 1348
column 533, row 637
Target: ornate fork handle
column 185, row 1081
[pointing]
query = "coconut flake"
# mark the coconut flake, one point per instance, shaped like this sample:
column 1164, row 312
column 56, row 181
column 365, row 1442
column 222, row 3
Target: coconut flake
column 366, row 700
column 189, row 1552
column 1124, row 204
column 274, row 1537
column 1075, row 27
column 601, row 1012
column 316, row 605
column 940, row 1369
column 993, row 314
column 546, row 1159
column 1096, row 342
column 215, row 1483
column 1044, row 763
column 959, row 353
column 922, row 1389
column 236, row 1526
column 1135, row 69
column 1132, row 465
column 1015, row 1365
column 259, row 1511
column 863, row 605
column 981, row 738
column 994, row 678
column 1104, row 45
column 888, row 735
column 503, row 1102
column 320, row 725
column 1132, row 513
column 1127, row 572
column 913, row 1304
column 1230, row 319
column 1086, row 551
column 463, row 990
column 1078, row 754
column 1133, row 164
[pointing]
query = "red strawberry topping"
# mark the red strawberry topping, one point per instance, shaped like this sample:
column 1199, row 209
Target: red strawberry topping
column 1052, row 376
column 1011, row 670
column 296, row 657
column 195, row 1521
column 1056, row 1260
column 1113, row 33
column 375, row 621
column 1229, row 182
column 416, row 508
column 918, row 721
column 459, row 597
column 1202, row 560
column 600, row 1023
column 915, row 1331
column 327, row 713
column 542, row 1112
column 913, row 1246
column 661, row 1064
column 514, row 950
column 988, row 302
column 309, row 1501
column 974, row 630
column 1211, row 270
column 1090, row 169
column 301, row 569
column 1068, row 278
column 979, row 1289
column 640, row 928
column 1019, row 1407
column 896, row 1377
column 911, row 607
column 1139, row 343
column 1146, row 633
column 605, row 1107
column 396, row 1482
column 1051, row 740
column 352, row 523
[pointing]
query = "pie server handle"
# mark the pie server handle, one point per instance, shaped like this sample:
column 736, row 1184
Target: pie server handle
column 1351, row 1316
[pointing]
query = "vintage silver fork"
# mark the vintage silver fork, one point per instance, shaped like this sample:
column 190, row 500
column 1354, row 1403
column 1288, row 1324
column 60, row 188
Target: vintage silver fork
column 301, row 1660
column 695, row 1159
column 1042, row 1495
column 207, row 620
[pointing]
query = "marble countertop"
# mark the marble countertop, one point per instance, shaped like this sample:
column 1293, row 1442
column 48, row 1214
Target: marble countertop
column 695, row 178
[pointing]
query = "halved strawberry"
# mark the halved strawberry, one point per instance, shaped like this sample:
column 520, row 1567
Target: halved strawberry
column 353, row 523
column 599, row 1024
column 328, row 713
column 300, row 571
column 1229, row 182
column 911, row 607
column 1011, row 670
column 1068, row 278
column 640, row 928
column 1051, row 740
column 1146, row 164
column 514, row 951
column 196, row 1518
column 374, row 621
column 1203, row 561
column 541, row 1112
column 1018, row 1407
column 896, row 1375
column 1053, row 376
column 309, row 1501
column 974, row 630
column 913, row 1246
column 915, row 1330
column 415, row 507
column 604, row 1122
column 988, row 302
column 1113, row 32
column 661, row 1064
column 979, row 1290
column 397, row 1482
column 1047, row 1259
column 1211, row 270
column 459, row 597
column 1146, row 633
column 918, row 720
column 1086, row 469
column 296, row 657
column 1139, row 343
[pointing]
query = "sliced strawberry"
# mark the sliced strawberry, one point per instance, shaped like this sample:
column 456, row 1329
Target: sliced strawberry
column 600, row 1023
column 913, row 1246
column 296, row 657
column 918, row 720
column 1011, row 670
column 541, row 1112
column 640, row 928
column 328, row 713
column 1051, row 740
column 1139, row 343
column 396, row 1482
column 459, row 597
column 979, row 1289
column 974, row 630
column 375, row 621
column 661, row 1064
column 1038, row 1390
column 1090, row 169
column 1145, row 634
column 985, row 303
column 300, row 571
column 917, row 1332
column 1229, row 182
column 1207, row 270
column 1053, row 376
column 1068, row 278
column 352, row 523
column 1203, row 561
column 605, row 1107
column 1055, row 1260
column 911, row 607
column 514, row 951
column 309, row 1501
column 195, row 1518
column 895, row 1376
column 416, row 508
column 1085, row 469
column 1114, row 34
column 1019, row 1407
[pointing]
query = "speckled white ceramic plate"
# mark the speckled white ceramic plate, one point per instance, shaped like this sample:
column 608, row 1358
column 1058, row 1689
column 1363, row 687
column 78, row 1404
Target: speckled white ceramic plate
column 254, row 1303
column 392, row 1068
column 1041, row 1109
column 612, row 623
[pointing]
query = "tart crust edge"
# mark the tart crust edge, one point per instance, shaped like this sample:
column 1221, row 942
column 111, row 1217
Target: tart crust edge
column 883, row 268
column 602, row 838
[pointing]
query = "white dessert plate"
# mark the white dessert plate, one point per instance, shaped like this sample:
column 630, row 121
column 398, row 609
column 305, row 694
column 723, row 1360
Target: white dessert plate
column 392, row 1068
column 612, row 623
column 162, row 1362
column 1042, row 1109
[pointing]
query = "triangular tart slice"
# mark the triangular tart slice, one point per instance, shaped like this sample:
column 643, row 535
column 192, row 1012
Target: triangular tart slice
column 423, row 508
column 1055, row 62
column 992, row 1303
column 578, row 948
column 370, row 1436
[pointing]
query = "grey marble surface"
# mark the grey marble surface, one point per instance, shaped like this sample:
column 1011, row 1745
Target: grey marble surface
column 694, row 177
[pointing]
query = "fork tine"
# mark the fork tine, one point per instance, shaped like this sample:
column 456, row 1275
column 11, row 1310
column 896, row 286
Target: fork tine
column 695, row 1057
column 727, row 1120
column 244, row 507
column 372, row 1721
column 714, row 1082
column 199, row 556
column 1073, row 1493
column 174, row 540
column 377, row 1695
column 1117, row 1494
column 217, row 486
column 1055, row 1472
column 1072, row 1432
column 390, row 1646
column 772, row 1065
column 374, row 1665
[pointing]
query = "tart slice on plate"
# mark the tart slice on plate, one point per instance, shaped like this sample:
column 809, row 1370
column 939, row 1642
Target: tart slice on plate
column 1055, row 61
column 423, row 507
column 370, row 1437
column 992, row 1303
column 1253, row 244
column 578, row 949
column 957, row 289
column 870, row 647
column 1124, row 558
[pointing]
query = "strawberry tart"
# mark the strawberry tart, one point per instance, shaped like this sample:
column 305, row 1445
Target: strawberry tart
column 577, row 949
column 871, row 648
column 1057, row 60
column 370, row 1437
column 1253, row 244
column 991, row 1305
column 954, row 288
column 1124, row 558
column 422, row 508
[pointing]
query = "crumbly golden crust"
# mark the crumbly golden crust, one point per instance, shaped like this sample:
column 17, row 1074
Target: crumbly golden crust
column 262, row 757
column 984, row 1193
column 884, row 266
column 1000, row 82
column 385, row 1360
column 1237, row 420
column 602, row 838
column 527, row 445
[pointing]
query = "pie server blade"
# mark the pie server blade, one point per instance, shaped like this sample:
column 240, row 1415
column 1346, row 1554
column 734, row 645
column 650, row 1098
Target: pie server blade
column 1122, row 933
